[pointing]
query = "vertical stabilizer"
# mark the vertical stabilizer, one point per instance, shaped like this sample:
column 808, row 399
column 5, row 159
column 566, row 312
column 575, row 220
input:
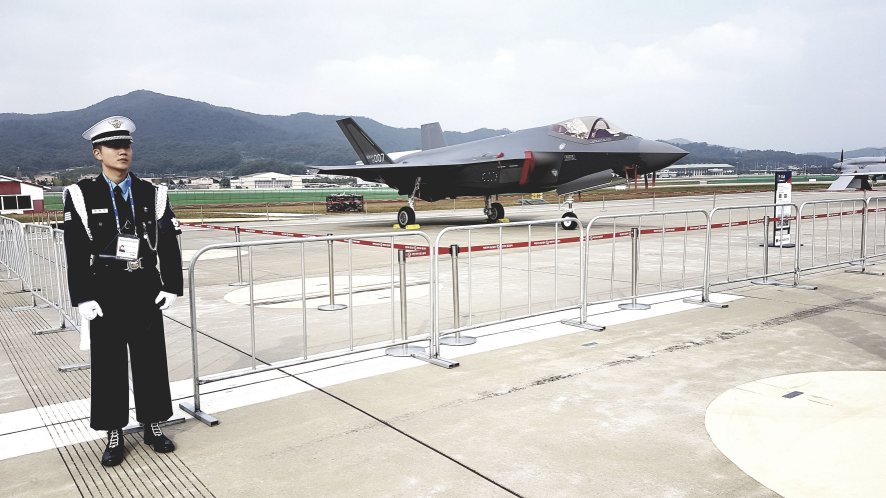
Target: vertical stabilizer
column 368, row 151
column 432, row 136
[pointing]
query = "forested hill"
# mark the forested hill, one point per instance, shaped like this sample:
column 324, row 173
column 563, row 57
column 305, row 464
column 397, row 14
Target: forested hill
column 177, row 135
column 749, row 160
column 182, row 136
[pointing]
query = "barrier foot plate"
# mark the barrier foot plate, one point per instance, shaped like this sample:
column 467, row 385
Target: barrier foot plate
column 198, row 414
column 461, row 340
column 634, row 306
column 52, row 331
column 404, row 350
column 28, row 308
column 440, row 362
column 575, row 322
column 71, row 368
column 332, row 307
column 699, row 301
column 865, row 271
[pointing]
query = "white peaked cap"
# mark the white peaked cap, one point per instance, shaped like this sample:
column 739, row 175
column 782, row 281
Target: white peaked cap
column 108, row 129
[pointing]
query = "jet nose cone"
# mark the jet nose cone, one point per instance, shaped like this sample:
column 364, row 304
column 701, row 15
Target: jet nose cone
column 658, row 155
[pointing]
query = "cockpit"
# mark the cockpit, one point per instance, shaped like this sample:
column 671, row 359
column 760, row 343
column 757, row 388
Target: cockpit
column 589, row 128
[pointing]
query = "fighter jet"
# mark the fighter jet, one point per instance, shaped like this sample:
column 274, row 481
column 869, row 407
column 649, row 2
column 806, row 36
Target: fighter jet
column 857, row 172
column 570, row 156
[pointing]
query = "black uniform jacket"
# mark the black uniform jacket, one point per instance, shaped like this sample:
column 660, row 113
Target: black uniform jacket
column 91, row 276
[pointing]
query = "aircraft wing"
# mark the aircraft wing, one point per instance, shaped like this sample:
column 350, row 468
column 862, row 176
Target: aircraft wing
column 841, row 182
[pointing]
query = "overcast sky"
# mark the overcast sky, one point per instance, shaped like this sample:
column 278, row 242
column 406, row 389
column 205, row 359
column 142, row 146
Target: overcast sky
column 790, row 75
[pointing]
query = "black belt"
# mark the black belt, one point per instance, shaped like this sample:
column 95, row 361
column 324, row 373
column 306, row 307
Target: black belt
column 120, row 264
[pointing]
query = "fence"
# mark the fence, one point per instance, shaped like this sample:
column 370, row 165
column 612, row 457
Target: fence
column 663, row 266
column 496, row 273
column 289, row 275
column 35, row 254
column 535, row 261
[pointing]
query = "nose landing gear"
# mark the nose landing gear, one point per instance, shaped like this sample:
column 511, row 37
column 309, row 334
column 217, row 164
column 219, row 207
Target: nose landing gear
column 568, row 216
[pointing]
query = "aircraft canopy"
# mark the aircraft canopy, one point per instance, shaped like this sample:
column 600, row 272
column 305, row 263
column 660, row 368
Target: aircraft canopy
column 588, row 128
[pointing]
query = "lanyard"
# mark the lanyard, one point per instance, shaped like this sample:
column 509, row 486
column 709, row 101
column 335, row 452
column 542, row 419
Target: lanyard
column 117, row 214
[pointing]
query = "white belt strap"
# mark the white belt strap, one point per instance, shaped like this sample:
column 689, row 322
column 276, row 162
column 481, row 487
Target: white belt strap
column 79, row 205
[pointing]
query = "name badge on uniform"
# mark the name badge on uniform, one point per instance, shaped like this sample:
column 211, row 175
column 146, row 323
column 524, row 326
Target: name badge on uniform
column 100, row 211
column 127, row 247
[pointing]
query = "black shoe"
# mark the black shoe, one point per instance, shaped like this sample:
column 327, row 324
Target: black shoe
column 113, row 454
column 154, row 436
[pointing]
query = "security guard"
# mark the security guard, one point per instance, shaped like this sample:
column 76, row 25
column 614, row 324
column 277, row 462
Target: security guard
column 124, row 267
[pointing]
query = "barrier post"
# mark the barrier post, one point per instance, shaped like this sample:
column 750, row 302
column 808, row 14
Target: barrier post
column 239, row 282
column 862, row 259
column 457, row 339
column 403, row 349
column 765, row 279
column 331, row 306
column 635, row 270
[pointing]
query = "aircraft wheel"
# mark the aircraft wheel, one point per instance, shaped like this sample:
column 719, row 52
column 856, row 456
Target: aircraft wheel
column 569, row 225
column 499, row 210
column 406, row 216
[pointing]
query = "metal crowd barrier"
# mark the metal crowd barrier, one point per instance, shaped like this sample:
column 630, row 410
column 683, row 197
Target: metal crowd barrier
column 35, row 253
column 48, row 268
column 560, row 271
column 394, row 347
column 483, row 275
column 14, row 251
column 667, row 259
column 876, row 227
column 832, row 232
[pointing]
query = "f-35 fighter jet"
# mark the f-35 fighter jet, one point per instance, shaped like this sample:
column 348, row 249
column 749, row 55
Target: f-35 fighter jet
column 570, row 156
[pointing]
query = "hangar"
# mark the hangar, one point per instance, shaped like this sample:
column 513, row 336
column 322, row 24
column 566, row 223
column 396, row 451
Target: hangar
column 19, row 197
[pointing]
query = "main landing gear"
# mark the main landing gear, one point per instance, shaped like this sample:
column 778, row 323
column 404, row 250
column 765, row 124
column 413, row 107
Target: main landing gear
column 569, row 216
column 494, row 211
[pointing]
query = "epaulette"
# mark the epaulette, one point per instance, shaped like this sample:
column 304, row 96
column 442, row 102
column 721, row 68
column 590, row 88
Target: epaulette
column 79, row 205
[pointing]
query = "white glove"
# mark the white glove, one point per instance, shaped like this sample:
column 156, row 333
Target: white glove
column 89, row 310
column 168, row 296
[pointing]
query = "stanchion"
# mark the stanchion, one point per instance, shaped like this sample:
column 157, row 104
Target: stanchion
column 403, row 349
column 765, row 279
column 862, row 260
column 239, row 282
column 332, row 306
column 635, row 270
column 457, row 339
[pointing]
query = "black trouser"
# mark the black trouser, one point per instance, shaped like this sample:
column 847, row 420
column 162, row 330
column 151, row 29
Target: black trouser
column 131, row 320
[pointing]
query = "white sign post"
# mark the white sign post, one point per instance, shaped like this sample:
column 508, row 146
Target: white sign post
column 781, row 228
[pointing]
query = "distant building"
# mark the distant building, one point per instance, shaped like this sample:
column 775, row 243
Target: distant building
column 697, row 170
column 19, row 197
column 205, row 182
column 269, row 180
column 44, row 179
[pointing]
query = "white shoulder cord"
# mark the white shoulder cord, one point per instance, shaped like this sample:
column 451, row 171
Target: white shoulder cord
column 160, row 202
column 79, row 205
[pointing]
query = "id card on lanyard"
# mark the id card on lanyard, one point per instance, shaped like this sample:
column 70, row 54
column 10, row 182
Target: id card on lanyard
column 127, row 247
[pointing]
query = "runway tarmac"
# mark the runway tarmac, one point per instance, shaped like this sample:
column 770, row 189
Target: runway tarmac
column 781, row 393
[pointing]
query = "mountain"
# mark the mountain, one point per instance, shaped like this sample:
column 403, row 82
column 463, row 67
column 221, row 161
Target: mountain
column 746, row 160
column 177, row 135
column 182, row 136
column 679, row 141
column 865, row 152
